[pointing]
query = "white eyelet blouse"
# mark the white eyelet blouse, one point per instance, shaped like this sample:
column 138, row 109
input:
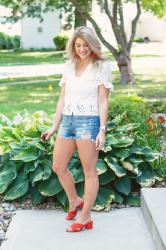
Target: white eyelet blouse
column 81, row 92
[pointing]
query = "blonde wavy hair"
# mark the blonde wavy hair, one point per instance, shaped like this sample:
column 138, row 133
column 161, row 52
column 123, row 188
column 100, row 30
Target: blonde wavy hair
column 89, row 35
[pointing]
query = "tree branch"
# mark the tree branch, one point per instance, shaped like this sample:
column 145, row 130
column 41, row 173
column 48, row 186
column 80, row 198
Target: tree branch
column 118, row 32
column 122, row 22
column 134, row 25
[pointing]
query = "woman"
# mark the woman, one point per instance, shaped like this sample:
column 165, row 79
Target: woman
column 81, row 116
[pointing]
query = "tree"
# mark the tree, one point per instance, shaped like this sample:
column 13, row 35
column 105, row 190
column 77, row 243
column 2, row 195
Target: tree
column 122, row 52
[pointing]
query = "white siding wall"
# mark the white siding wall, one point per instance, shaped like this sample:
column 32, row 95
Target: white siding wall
column 32, row 38
column 148, row 25
column 152, row 27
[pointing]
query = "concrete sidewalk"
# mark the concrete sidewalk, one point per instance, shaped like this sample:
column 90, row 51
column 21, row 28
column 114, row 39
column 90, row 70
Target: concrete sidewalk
column 51, row 69
column 120, row 229
column 30, row 70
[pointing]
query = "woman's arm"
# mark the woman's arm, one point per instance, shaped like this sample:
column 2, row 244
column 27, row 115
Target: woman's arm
column 103, row 113
column 103, row 104
column 59, row 109
column 58, row 115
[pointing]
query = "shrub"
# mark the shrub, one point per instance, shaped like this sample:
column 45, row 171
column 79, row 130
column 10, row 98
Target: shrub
column 2, row 41
column 9, row 42
column 60, row 41
column 16, row 41
column 158, row 107
column 139, row 40
column 135, row 107
column 25, row 163
column 137, row 110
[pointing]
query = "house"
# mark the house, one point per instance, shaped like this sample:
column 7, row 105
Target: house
column 36, row 34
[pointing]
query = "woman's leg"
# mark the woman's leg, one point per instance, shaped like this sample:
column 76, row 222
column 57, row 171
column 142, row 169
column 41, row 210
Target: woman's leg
column 88, row 156
column 63, row 151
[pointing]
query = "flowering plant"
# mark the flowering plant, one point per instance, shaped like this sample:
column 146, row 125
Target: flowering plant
column 157, row 137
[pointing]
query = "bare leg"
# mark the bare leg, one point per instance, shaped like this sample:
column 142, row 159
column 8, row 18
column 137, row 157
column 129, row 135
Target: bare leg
column 88, row 156
column 63, row 151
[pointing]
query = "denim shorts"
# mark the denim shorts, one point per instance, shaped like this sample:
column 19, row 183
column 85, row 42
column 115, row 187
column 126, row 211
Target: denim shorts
column 79, row 127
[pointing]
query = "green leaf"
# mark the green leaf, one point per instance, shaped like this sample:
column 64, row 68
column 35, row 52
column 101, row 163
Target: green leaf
column 78, row 174
column 106, row 149
column 29, row 167
column 128, row 127
column 76, row 169
column 7, row 175
column 137, row 150
column 80, row 188
column 37, row 175
column 106, row 178
column 122, row 152
column 62, row 197
column 123, row 185
column 127, row 165
column 113, row 164
column 151, row 158
column 37, row 198
column 8, row 134
column 18, row 187
column 26, row 155
column 158, row 174
column 4, row 148
column 117, row 198
column 135, row 160
column 103, row 196
column 50, row 186
column 133, row 200
column 145, row 178
column 124, row 142
column 110, row 140
column 101, row 166
column 47, row 168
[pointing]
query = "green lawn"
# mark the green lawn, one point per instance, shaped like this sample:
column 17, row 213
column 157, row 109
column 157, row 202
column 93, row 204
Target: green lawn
column 10, row 58
column 33, row 97
column 151, row 86
column 39, row 96
column 29, row 79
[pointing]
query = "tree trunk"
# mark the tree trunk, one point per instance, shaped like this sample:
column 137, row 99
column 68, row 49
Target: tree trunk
column 124, row 64
column 79, row 21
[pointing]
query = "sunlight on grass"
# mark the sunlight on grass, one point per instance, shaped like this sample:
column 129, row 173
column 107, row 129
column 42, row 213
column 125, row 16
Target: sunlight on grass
column 25, row 58
column 2, row 88
column 39, row 95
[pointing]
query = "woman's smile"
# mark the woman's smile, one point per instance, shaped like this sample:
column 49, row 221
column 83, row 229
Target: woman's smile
column 82, row 48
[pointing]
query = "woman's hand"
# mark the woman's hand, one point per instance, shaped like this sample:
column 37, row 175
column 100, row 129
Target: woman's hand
column 47, row 134
column 100, row 139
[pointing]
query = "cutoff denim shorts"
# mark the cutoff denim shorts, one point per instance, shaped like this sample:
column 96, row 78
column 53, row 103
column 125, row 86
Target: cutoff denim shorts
column 79, row 127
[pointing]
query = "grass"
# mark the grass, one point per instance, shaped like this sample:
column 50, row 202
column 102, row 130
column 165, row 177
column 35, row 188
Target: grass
column 13, row 58
column 40, row 96
column 32, row 97
column 28, row 79
column 151, row 86
column 10, row 58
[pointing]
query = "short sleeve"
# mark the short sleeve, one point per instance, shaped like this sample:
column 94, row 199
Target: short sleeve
column 104, row 76
column 64, row 73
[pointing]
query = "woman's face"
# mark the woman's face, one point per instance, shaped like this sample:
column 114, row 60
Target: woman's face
column 82, row 48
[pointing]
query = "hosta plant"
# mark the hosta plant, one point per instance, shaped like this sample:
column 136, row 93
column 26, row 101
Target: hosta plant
column 25, row 162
